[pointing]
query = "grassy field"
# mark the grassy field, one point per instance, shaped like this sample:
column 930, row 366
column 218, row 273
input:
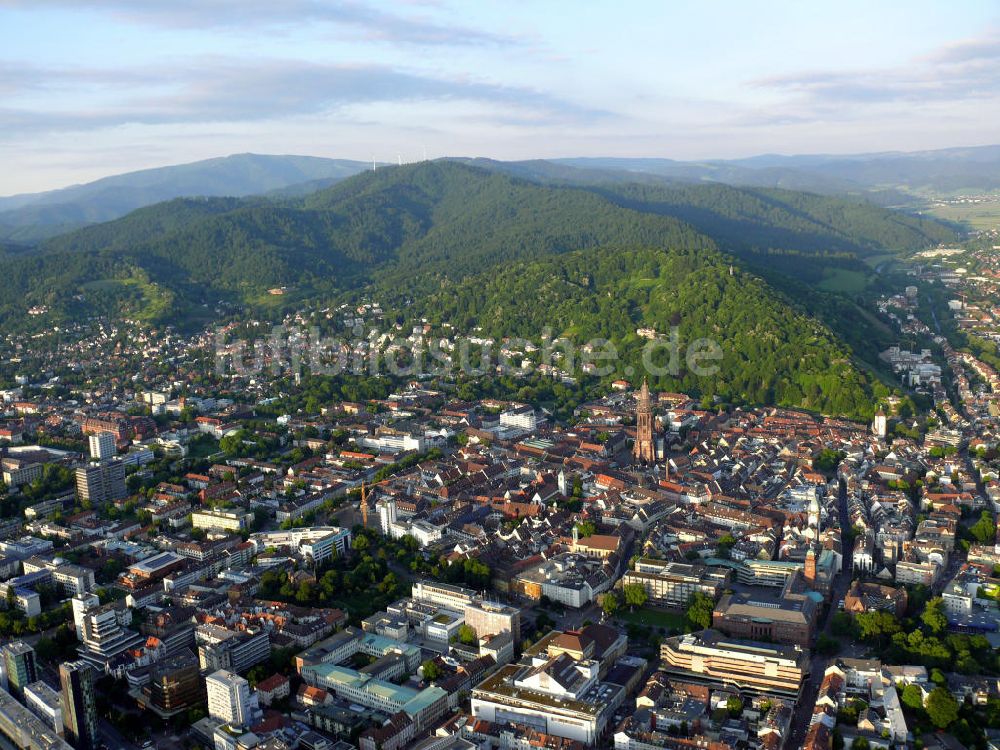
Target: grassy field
column 844, row 281
column 657, row 618
column 972, row 215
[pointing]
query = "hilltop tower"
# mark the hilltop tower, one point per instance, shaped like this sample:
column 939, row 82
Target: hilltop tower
column 645, row 448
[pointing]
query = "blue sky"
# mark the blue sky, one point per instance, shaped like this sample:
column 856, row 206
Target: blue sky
column 95, row 88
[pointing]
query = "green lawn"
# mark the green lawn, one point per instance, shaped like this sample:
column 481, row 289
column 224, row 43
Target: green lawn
column 843, row 280
column 972, row 215
column 658, row 618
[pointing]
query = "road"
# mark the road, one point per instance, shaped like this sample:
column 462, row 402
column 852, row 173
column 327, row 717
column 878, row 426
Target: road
column 817, row 663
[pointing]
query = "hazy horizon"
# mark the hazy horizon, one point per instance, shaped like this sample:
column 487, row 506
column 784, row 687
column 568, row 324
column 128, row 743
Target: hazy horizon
column 100, row 88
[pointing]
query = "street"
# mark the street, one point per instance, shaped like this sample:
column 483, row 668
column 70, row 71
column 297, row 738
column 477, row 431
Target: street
column 803, row 713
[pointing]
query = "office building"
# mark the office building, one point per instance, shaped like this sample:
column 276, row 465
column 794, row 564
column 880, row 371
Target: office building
column 712, row 658
column 789, row 617
column 103, row 446
column 672, row 583
column 491, row 618
column 221, row 520
column 79, row 705
column 101, row 630
column 423, row 706
column 19, row 667
column 236, row 650
column 175, row 685
column 46, row 704
column 230, row 699
column 25, row 730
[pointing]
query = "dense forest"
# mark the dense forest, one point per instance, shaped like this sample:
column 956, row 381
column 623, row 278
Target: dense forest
column 770, row 352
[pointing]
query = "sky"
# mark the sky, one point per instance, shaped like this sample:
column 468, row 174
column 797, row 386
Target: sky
column 90, row 88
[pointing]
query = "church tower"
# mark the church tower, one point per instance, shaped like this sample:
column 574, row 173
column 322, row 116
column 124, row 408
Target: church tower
column 809, row 573
column 880, row 424
column 645, row 448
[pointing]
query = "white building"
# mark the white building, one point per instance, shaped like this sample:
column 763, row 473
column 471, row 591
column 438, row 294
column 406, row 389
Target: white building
column 230, row 699
column 46, row 704
column 102, row 446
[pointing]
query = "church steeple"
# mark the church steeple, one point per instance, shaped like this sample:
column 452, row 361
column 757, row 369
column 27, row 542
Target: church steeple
column 645, row 448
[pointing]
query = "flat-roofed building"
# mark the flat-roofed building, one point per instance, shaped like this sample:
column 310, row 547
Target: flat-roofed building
column 20, row 669
column 423, row 706
column 175, row 685
column 46, row 704
column 673, row 583
column 491, row 618
column 711, row 658
column 221, row 520
column 444, row 594
column 786, row 617
column 316, row 542
column 101, row 482
column 25, row 730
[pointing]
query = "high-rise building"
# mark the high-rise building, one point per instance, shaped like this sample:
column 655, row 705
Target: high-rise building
column 79, row 704
column 175, row 684
column 19, row 667
column 645, row 449
column 101, row 482
column 103, row 446
column 230, row 699
column 102, row 630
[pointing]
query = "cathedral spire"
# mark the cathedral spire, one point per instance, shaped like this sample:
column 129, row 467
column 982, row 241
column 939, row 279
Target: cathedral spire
column 645, row 448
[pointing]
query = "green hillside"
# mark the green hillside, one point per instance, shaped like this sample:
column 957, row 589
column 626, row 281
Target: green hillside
column 771, row 353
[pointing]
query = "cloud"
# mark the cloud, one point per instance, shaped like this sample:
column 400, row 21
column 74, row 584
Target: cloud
column 231, row 90
column 373, row 23
column 963, row 71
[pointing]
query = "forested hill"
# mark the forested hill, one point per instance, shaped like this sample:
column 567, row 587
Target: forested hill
column 403, row 233
column 771, row 353
column 407, row 230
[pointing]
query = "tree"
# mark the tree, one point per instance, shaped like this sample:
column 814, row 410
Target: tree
column 361, row 543
column 610, row 603
column 467, row 634
column 699, row 610
column 874, row 625
column 586, row 528
column 725, row 543
column 734, row 705
column 431, row 670
column 942, row 708
column 984, row 530
column 934, row 617
column 826, row 645
column 635, row 594
column 860, row 743
column 913, row 697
